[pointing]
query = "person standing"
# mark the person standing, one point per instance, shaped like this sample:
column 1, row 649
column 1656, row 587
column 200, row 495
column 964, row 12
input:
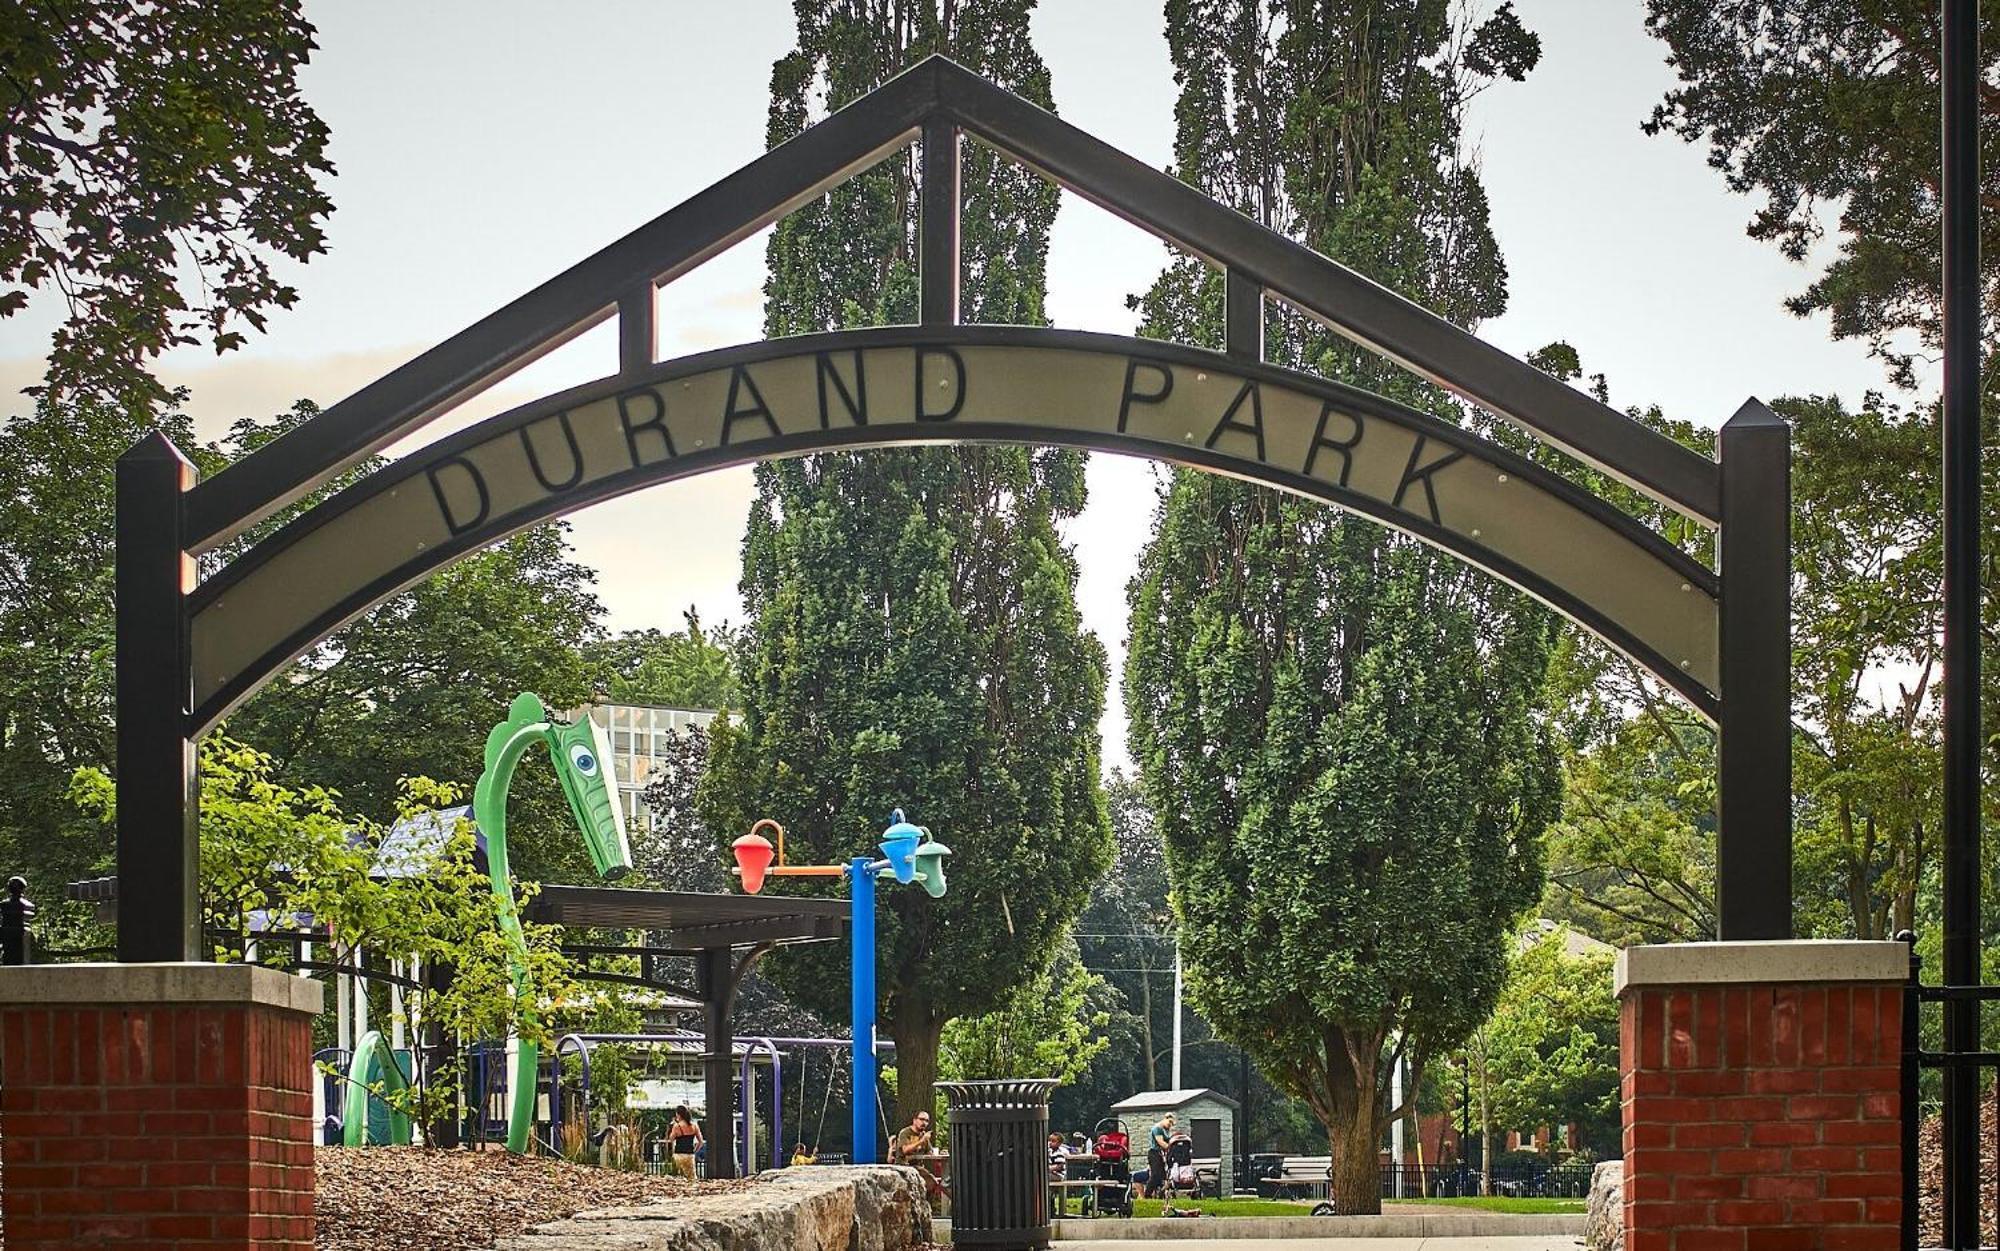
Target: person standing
column 1157, row 1139
column 684, row 1139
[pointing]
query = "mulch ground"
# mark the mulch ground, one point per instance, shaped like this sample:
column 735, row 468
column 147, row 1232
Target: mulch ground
column 414, row 1199
column 1930, row 1150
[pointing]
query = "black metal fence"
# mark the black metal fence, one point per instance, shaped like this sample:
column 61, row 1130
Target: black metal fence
column 1459, row 1181
column 1959, row 1155
column 17, row 939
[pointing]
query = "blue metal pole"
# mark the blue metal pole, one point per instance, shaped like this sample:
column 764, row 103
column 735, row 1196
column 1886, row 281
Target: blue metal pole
column 861, row 976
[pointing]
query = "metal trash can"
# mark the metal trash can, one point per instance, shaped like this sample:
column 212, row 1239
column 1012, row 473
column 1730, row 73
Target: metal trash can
column 999, row 1161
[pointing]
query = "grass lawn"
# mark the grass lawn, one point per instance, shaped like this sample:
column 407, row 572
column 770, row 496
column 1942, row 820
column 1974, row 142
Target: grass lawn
column 1229, row 1207
column 1294, row 1207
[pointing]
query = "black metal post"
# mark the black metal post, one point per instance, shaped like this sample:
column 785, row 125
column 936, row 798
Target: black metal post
column 1960, row 188
column 159, row 913
column 638, row 332
column 714, row 978
column 1753, row 872
column 15, row 913
column 1908, row 1096
column 938, row 259
column 440, row 1048
column 1243, row 1148
column 1242, row 315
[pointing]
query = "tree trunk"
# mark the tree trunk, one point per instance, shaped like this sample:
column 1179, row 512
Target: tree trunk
column 916, row 1034
column 1354, row 1134
column 1357, row 1164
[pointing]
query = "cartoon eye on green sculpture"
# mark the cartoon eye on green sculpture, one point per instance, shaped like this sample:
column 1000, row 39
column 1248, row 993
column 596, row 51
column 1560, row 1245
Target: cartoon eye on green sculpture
column 582, row 761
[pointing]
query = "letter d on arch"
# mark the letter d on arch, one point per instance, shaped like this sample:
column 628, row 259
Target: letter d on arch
column 462, row 512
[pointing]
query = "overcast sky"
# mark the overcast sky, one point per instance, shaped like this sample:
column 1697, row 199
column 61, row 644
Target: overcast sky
column 484, row 147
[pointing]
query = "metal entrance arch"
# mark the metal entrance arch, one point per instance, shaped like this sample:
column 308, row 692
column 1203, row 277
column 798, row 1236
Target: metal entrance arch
column 188, row 652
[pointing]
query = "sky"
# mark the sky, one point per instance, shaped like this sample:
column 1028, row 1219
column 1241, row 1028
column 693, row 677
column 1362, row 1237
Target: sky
column 482, row 148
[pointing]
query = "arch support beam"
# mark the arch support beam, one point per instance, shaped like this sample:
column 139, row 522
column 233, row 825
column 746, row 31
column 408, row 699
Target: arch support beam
column 160, row 921
column 1753, row 870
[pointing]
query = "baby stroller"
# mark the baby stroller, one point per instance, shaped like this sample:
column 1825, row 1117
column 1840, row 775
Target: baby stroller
column 1180, row 1181
column 1114, row 1168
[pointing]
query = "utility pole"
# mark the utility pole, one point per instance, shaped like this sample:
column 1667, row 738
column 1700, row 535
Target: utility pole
column 1177, row 1016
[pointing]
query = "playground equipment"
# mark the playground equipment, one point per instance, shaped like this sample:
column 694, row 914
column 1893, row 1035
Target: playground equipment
column 910, row 855
column 373, row 1056
column 688, row 1043
column 582, row 761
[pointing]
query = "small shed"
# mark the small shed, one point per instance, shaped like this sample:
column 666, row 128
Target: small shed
column 1208, row 1116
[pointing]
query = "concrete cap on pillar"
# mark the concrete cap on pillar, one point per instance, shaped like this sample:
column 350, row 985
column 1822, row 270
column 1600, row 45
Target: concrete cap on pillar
column 246, row 984
column 1780, row 961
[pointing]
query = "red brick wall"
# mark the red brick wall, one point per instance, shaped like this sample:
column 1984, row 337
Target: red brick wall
column 1762, row 1118
column 176, row 1125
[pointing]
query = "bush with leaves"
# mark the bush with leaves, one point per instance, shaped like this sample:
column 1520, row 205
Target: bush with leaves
column 285, row 853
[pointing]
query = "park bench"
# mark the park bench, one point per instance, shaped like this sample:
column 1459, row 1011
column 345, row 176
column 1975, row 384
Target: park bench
column 1301, row 1176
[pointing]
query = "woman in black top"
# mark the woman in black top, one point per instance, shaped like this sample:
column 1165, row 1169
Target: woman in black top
column 684, row 1137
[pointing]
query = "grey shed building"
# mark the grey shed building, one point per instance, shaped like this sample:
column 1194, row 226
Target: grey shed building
column 1208, row 1116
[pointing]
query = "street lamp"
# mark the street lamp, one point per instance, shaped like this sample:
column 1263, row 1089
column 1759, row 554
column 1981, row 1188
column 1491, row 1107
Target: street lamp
column 909, row 855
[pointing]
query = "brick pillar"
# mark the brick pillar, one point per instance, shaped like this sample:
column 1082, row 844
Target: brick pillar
column 155, row 1106
column 1761, row 1095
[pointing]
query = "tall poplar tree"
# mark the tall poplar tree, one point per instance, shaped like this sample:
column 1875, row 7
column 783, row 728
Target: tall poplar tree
column 1339, row 729
column 913, row 639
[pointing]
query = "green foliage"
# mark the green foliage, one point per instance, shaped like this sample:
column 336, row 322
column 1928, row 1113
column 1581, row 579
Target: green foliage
column 1549, row 1054
column 412, row 688
column 154, row 159
column 913, row 638
column 686, row 668
column 1832, row 108
column 1341, row 732
column 268, row 847
column 56, row 636
column 1047, row 1029
column 1865, row 606
column 680, row 851
column 1632, row 859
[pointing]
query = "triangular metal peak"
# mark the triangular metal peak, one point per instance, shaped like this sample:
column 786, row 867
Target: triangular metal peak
column 947, row 96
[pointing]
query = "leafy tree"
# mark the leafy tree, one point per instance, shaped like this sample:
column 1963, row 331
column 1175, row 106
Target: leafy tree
column 1632, row 860
column 412, row 688
column 1340, row 732
column 687, row 668
column 154, row 159
column 268, row 847
column 1830, row 111
column 1129, row 921
column 1549, row 1053
column 913, row 638
column 1048, row 1029
column 1866, row 605
column 56, row 634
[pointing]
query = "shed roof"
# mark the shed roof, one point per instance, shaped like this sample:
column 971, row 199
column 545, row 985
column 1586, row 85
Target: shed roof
column 1168, row 1100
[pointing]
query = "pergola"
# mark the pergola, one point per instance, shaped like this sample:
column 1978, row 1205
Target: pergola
column 726, row 935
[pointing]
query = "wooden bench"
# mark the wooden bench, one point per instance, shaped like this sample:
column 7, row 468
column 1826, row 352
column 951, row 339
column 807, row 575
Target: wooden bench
column 1086, row 1187
column 1306, row 1176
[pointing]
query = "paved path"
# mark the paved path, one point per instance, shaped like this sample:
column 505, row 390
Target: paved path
column 1531, row 1242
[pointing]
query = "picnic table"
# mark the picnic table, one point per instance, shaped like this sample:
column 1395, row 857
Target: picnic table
column 1086, row 1187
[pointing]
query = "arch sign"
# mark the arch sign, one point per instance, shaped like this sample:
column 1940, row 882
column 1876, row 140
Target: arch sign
column 189, row 652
